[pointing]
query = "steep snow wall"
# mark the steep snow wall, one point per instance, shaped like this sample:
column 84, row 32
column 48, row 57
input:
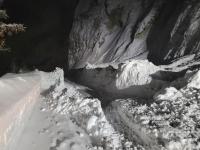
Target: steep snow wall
column 18, row 94
column 117, row 30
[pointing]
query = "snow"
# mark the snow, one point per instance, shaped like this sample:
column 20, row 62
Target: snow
column 136, row 72
column 18, row 94
column 169, row 93
column 194, row 81
column 171, row 119
column 87, row 113
column 67, row 116
column 49, row 131
column 92, row 122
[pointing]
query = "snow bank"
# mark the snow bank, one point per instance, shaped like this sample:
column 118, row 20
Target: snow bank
column 194, row 81
column 18, row 94
column 52, row 79
column 170, row 121
column 85, row 112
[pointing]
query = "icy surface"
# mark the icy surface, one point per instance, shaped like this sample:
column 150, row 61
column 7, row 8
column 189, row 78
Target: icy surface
column 136, row 72
column 194, row 81
column 168, row 120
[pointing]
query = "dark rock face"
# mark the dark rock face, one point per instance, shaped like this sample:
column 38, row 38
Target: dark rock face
column 103, row 31
column 175, row 32
column 48, row 23
column 107, row 31
column 5, row 60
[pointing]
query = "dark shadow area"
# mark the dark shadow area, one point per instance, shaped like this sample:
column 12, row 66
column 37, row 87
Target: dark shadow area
column 168, row 76
column 158, row 41
column 44, row 44
column 5, row 61
column 107, row 91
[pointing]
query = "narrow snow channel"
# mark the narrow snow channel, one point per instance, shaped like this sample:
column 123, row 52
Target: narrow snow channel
column 49, row 131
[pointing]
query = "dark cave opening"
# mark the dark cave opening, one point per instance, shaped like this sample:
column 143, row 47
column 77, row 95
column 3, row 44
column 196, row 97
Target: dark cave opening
column 44, row 44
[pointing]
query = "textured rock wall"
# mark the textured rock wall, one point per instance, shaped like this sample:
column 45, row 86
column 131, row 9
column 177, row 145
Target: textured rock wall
column 110, row 31
column 175, row 32
column 117, row 30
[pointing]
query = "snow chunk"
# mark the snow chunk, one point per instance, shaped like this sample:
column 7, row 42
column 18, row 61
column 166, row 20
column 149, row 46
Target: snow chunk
column 91, row 122
column 194, row 81
column 169, row 93
column 85, row 112
column 136, row 72
column 52, row 78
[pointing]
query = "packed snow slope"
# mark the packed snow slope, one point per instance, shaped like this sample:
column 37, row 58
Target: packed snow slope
column 106, row 31
column 18, row 94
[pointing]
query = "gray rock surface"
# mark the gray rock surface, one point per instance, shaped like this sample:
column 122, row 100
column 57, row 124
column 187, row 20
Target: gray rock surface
column 110, row 31
column 117, row 30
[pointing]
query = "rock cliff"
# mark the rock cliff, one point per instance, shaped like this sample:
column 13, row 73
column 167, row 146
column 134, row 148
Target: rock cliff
column 118, row 30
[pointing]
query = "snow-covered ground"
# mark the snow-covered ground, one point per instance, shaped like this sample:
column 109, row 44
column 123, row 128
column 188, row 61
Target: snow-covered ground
column 18, row 94
column 70, row 116
column 50, row 131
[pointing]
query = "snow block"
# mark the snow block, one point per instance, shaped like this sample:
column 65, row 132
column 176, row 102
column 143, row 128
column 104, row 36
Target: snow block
column 18, row 94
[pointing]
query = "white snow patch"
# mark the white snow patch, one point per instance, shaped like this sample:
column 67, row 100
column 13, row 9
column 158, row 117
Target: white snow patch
column 51, row 79
column 136, row 72
column 92, row 122
column 194, row 81
column 169, row 93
